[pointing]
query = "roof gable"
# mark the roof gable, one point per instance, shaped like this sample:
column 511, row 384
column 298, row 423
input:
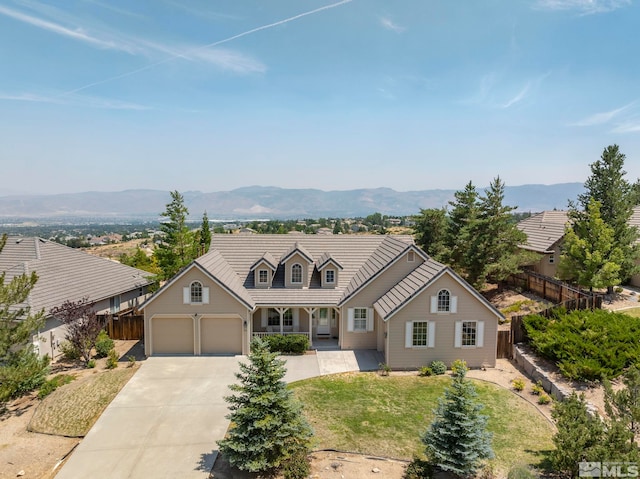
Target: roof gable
column 268, row 260
column 297, row 248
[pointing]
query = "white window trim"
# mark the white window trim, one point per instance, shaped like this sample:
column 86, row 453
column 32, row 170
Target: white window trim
column 552, row 259
column 301, row 273
column 479, row 335
column 351, row 320
column 431, row 334
column 453, row 303
column 266, row 281
column 186, row 294
column 326, row 276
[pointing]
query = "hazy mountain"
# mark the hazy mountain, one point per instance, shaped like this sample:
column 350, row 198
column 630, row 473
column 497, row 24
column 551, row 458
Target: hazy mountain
column 268, row 202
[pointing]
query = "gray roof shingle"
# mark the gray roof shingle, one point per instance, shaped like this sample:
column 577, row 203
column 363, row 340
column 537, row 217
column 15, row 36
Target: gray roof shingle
column 543, row 230
column 65, row 273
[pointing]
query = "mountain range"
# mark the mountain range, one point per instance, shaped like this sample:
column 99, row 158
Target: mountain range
column 268, row 202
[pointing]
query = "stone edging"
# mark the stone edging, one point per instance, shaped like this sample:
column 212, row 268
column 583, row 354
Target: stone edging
column 527, row 361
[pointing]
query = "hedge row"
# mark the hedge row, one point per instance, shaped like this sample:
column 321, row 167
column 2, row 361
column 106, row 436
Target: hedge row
column 288, row 343
column 587, row 345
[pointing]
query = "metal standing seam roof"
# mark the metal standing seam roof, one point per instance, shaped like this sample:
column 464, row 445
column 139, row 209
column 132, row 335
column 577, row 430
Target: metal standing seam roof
column 543, row 230
column 361, row 258
column 65, row 273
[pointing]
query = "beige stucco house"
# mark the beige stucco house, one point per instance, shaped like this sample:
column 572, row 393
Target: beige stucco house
column 68, row 274
column 374, row 292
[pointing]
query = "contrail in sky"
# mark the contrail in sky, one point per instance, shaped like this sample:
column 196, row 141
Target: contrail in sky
column 214, row 44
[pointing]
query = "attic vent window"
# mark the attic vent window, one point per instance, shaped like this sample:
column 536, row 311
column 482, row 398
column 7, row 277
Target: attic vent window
column 411, row 257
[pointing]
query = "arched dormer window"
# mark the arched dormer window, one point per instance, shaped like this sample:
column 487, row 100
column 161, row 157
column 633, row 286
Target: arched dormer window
column 196, row 292
column 444, row 300
column 296, row 274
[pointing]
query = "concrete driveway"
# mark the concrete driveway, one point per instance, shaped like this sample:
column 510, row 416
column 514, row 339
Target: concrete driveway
column 166, row 420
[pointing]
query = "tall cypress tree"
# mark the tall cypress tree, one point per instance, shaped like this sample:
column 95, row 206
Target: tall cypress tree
column 268, row 428
column 457, row 440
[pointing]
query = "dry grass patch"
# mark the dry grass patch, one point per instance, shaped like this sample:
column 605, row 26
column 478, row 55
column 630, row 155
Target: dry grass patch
column 72, row 409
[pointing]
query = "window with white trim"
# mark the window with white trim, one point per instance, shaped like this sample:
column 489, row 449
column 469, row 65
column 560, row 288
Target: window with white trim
column 296, row 273
column 359, row 319
column 444, row 300
column 263, row 276
column 273, row 317
column 287, row 318
column 329, row 276
column 552, row 259
column 420, row 333
column 196, row 292
column 469, row 333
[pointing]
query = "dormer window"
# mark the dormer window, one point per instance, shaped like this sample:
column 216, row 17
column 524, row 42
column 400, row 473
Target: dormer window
column 329, row 276
column 296, row 274
column 263, row 276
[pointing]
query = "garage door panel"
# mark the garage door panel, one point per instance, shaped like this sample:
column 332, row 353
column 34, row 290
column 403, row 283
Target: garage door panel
column 172, row 335
column 221, row 335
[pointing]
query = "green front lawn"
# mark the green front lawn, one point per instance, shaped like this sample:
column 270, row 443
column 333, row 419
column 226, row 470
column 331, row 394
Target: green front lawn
column 386, row 416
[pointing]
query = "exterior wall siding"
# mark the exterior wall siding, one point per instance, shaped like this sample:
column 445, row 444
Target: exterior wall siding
column 365, row 299
column 469, row 308
column 306, row 271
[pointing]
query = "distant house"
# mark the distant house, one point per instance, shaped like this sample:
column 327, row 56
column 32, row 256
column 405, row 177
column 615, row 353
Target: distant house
column 70, row 274
column 545, row 233
column 377, row 292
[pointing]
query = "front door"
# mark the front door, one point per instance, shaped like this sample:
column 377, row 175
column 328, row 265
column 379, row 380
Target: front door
column 324, row 324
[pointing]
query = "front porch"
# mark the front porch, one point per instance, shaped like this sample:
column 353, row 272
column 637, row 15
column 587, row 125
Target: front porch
column 318, row 324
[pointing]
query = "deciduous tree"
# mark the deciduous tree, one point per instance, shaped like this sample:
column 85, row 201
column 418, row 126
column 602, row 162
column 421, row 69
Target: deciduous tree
column 589, row 254
column 268, row 428
column 82, row 325
column 21, row 369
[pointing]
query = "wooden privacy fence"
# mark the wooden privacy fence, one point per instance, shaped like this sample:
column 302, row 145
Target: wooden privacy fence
column 125, row 327
column 548, row 288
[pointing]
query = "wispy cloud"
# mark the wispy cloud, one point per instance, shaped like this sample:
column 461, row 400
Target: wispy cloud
column 75, row 34
column 628, row 127
column 521, row 95
column 391, row 25
column 195, row 51
column 75, row 100
column 583, row 7
column 602, row 117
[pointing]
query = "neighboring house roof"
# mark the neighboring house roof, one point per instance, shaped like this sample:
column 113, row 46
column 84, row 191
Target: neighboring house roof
column 66, row 273
column 543, row 230
column 635, row 220
column 417, row 281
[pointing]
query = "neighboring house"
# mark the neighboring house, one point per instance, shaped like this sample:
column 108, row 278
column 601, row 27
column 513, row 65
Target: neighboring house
column 375, row 292
column 70, row 274
column 545, row 232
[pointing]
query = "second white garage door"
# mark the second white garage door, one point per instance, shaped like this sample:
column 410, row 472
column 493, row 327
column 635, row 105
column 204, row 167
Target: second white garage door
column 221, row 335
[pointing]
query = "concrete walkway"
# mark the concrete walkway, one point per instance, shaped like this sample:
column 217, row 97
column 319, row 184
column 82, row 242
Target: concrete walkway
column 166, row 420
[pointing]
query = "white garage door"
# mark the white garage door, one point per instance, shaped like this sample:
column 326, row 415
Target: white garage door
column 172, row 336
column 221, row 335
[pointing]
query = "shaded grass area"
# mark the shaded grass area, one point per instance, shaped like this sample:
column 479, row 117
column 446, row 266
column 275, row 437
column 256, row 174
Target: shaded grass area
column 635, row 312
column 386, row 416
column 72, row 409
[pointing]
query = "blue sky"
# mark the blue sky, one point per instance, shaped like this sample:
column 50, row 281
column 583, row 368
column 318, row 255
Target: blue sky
column 207, row 95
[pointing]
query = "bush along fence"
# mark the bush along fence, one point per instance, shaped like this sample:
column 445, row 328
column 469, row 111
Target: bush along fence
column 561, row 294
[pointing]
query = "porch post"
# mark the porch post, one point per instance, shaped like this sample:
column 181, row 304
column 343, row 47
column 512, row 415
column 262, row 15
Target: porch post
column 310, row 313
column 281, row 312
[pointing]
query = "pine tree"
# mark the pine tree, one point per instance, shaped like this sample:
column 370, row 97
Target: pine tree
column 177, row 248
column 462, row 217
column 431, row 231
column 20, row 367
column 268, row 428
column 457, row 440
column 205, row 234
column 617, row 197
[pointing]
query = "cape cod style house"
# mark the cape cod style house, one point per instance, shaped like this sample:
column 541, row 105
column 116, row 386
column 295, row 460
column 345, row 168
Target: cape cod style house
column 376, row 292
column 68, row 274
